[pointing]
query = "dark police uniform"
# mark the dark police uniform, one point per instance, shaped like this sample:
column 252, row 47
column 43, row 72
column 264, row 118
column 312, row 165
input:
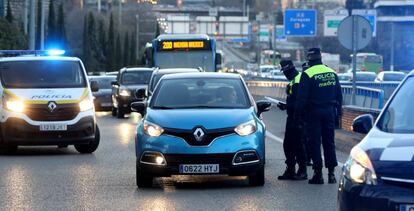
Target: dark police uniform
column 292, row 145
column 321, row 98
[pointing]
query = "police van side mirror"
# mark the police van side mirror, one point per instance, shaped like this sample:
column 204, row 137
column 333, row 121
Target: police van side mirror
column 94, row 86
column 363, row 124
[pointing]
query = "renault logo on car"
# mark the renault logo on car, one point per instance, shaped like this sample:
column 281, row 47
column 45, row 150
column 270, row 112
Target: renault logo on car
column 51, row 106
column 198, row 134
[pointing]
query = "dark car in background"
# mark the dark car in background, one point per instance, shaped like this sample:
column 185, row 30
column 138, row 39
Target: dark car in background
column 103, row 97
column 158, row 73
column 127, row 82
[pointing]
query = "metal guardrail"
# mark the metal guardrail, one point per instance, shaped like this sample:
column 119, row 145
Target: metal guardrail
column 387, row 87
column 365, row 97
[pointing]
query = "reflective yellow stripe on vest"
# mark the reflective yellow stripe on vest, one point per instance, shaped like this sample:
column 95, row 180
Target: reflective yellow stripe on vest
column 296, row 80
column 318, row 69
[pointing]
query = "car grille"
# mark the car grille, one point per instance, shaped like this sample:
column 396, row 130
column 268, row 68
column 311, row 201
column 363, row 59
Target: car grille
column 177, row 159
column 63, row 112
column 401, row 183
column 189, row 137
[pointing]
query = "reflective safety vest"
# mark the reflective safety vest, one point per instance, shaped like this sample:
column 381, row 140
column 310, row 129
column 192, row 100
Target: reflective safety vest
column 318, row 69
column 296, row 80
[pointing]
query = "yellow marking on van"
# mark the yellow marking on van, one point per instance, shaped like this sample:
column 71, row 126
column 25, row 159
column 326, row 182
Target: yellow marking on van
column 83, row 96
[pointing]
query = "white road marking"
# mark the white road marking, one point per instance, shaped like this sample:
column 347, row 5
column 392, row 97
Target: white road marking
column 280, row 140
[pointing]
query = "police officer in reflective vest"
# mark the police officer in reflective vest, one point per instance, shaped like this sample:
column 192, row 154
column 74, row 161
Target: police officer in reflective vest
column 293, row 146
column 320, row 97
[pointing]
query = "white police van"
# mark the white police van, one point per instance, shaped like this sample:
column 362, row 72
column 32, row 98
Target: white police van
column 46, row 100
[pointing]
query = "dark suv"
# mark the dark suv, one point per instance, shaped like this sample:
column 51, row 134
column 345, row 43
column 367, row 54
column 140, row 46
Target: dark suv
column 127, row 81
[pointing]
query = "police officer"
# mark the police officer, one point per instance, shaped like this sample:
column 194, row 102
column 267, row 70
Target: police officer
column 305, row 138
column 292, row 145
column 320, row 97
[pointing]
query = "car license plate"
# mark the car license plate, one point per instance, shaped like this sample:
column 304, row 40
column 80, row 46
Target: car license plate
column 53, row 127
column 199, row 168
column 106, row 104
column 407, row 207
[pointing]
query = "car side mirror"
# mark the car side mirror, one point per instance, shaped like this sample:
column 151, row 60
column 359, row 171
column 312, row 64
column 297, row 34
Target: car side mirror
column 363, row 124
column 263, row 106
column 141, row 93
column 94, row 86
column 139, row 107
column 114, row 83
column 218, row 61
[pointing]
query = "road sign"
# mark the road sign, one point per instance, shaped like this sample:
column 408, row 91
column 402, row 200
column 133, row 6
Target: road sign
column 363, row 32
column 264, row 33
column 371, row 16
column 300, row 23
column 213, row 11
column 332, row 19
column 280, row 33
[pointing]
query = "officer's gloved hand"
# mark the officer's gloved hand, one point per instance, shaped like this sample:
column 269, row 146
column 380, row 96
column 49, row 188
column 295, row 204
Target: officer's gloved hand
column 281, row 106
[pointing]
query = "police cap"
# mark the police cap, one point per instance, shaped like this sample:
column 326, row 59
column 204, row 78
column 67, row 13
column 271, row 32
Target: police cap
column 313, row 54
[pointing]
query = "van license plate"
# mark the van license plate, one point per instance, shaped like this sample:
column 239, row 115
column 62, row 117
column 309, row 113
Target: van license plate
column 53, row 127
column 199, row 168
column 406, row 207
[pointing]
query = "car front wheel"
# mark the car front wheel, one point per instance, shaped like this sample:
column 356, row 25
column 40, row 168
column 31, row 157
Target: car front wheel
column 258, row 178
column 92, row 146
column 143, row 180
column 113, row 111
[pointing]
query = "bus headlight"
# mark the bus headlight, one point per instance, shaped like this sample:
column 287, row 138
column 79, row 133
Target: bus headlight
column 15, row 105
column 359, row 168
column 86, row 104
column 246, row 129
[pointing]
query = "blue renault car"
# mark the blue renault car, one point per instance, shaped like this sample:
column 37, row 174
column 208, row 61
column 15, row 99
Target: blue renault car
column 200, row 124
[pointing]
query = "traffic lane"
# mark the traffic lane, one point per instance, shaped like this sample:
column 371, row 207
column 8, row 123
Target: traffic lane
column 50, row 178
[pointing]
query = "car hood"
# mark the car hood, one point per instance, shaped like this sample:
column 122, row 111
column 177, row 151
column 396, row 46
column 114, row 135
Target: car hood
column 135, row 87
column 392, row 155
column 208, row 118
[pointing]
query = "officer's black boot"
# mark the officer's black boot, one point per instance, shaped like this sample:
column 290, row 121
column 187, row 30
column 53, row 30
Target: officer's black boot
column 331, row 176
column 317, row 177
column 289, row 174
column 302, row 173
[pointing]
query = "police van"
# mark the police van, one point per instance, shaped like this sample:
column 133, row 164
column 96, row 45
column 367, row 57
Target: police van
column 46, row 100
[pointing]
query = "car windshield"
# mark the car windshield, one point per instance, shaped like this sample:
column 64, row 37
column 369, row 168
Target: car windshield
column 42, row 74
column 200, row 93
column 136, row 77
column 104, row 82
column 398, row 116
column 393, row 77
column 158, row 77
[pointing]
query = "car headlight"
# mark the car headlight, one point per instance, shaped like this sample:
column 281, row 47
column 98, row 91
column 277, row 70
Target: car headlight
column 359, row 169
column 86, row 104
column 15, row 105
column 152, row 129
column 124, row 92
column 246, row 129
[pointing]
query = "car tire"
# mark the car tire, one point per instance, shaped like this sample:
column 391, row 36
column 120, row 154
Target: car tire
column 120, row 114
column 143, row 180
column 258, row 178
column 113, row 111
column 92, row 146
column 8, row 149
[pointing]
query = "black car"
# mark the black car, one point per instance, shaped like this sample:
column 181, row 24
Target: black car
column 379, row 174
column 158, row 73
column 103, row 97
column 127, row 81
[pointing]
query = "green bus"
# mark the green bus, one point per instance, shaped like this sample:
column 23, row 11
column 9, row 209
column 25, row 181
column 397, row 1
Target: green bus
column 369, row 62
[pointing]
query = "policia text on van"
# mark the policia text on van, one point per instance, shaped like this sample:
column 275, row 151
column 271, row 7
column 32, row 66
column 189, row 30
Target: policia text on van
column 46, row 101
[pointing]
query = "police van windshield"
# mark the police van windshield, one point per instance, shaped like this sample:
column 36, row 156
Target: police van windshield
column 398, row 116
column 42, row 74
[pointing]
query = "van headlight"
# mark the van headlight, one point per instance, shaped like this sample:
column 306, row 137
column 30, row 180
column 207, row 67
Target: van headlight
column 246, row 128
column 359, row 169
column 152, row 129
column 15, row 105
column 86, row 104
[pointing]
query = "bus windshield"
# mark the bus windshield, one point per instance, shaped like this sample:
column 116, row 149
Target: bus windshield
column 186, row 59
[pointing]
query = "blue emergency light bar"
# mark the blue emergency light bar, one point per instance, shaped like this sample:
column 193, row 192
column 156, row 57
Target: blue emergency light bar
column 13, row 53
